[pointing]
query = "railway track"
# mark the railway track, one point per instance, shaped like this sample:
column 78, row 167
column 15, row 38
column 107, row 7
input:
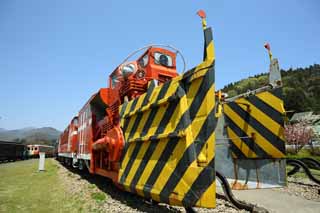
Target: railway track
column 77, row 182
column 118, row 201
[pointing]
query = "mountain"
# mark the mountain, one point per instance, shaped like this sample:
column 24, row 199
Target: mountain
column 31, row 135
column 301, row 87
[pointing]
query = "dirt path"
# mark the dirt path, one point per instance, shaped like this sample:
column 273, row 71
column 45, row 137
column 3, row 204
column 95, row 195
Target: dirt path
column 301, row 195
column 278, row 201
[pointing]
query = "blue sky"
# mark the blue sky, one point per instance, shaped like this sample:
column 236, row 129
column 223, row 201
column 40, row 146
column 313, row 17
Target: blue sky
column 55, row 54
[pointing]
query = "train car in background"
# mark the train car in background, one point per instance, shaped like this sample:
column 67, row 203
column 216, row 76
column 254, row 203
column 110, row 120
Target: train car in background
column 68, row 142
column 35, row 149
column 12, row 151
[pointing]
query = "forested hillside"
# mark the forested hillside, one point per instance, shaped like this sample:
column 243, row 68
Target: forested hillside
column 301, row 87
column 30, row 135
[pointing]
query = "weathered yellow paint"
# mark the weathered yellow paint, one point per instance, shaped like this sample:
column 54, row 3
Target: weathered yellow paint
column 184, row 164
column 260, row 139
column 240, row 144
column 270, row 124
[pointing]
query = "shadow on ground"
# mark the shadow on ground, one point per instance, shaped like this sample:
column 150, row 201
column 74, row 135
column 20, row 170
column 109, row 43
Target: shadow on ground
column 129, row 199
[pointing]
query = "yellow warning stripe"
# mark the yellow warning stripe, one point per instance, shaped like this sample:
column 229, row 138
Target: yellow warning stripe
column 240, row 144
column 270, row 124
column 268, row 97
column 260, row 140
column 171, row 140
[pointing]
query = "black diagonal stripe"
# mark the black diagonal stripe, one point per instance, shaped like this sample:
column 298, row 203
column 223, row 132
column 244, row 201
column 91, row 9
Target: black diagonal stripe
column 272, row 138
column 200, row 185
column 173, row 104
column 126, row 124
column 277, row 92
column 161, row 94
column 164, row 90
column 144, row 102
column 208, row 81
column 191, row 112
column 135, row 125
column 208, row 36
column 245, row 138
column 149, row 92
column 154, row 110
column 127, row 119
column 123, row 109
column 266, row 109
column 235, row 150
column 167, row 116
column 165, row 155
column 184, row 122
column 133, row 156
column 133, row 105
column 125, row 149
column 189, row 156
column 169, row 110
column 187, row 75
column 207, row 40
column 143, row 165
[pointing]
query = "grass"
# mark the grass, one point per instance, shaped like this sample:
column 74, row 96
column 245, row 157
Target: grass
column 24, row 189
column 98, row 196
column 303, row 153
column 301, row 173
column 92, row 186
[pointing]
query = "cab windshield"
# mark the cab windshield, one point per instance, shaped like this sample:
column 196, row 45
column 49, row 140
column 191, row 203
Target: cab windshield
column 163, row 59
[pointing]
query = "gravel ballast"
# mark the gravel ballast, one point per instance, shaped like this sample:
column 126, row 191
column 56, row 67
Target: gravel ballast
column 100, row 195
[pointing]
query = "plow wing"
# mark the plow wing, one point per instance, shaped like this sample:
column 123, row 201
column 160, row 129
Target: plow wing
column 250, row 136
column 169, row 154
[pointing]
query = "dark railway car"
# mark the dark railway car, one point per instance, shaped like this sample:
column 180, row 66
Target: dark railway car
column 11, row 151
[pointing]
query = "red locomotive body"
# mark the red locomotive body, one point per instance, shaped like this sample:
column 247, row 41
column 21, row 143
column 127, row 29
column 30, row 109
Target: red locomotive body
column 95, row 138
column 63, row 141
column 68, row 141
column 153, row 132
column 142, row 131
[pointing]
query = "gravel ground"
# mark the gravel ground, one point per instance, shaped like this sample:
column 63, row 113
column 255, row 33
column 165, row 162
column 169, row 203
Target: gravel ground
column 100, row 195
column 302, row 187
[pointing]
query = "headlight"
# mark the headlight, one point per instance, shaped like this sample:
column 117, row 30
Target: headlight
column 127, row 69
column 140, row 74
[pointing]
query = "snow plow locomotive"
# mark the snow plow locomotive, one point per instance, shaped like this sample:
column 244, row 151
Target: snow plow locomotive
column 152, row 131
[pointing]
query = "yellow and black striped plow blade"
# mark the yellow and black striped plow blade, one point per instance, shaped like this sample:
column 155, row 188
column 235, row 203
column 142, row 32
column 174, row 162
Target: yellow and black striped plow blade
column 169, row 133
column 255, row 125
